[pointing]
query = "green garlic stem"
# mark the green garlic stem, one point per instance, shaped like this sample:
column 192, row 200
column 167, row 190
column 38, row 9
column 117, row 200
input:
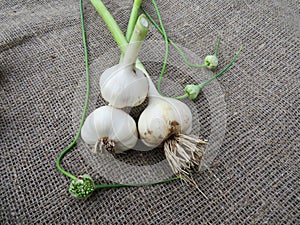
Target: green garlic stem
column 133, row 18
column 181, row 53
column 217, row 46
column 166, row 47
column 111, row 24
column 68, row 148
column 136, row 41
column 182, row 97
column 114, row 29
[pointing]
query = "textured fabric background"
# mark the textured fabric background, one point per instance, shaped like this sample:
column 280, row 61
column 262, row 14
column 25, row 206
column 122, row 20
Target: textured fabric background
column 254, row 176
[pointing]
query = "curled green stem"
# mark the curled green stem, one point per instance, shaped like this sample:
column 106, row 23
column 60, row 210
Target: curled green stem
column 87, row 94
column 169, row 40
column 211, row 61
column 162, row 73
column 83, row 186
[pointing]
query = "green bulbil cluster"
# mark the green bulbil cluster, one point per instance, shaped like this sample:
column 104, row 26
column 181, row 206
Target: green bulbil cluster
column 82, row 187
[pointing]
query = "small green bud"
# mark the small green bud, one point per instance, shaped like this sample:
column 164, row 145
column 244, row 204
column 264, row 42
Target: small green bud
column 82, row 187
column 192, row 90
column 211, row 62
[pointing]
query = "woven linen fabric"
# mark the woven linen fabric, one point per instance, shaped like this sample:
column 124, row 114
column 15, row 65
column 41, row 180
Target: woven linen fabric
column 250, row 115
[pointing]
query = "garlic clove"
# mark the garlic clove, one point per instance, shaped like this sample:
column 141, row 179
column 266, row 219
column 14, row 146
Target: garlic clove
column 126, row 144
column 123, row 128
column 102, row 121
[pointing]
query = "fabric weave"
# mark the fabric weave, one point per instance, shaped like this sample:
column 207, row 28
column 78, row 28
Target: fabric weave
column 250, row 115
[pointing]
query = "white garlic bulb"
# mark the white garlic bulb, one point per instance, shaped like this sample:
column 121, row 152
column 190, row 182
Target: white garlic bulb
column 168, row 121
column 163, row 117
column 110, row 129
column 124, row 85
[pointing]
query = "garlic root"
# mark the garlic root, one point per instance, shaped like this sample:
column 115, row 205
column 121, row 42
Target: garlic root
column 104, row 144
column 184, row 154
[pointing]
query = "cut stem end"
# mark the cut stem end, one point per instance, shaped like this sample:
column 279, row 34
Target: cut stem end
column 137, row 39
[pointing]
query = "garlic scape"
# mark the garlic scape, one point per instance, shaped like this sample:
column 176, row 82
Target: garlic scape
column 168, row 121
column 110, row 129
column 211, row 61
column 192, row 90
column 123, row 85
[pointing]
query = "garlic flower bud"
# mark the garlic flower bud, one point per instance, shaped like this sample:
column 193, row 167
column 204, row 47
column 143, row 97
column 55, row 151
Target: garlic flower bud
column 109, row 129
column 192, row 90
column 168, row 121
column 211, row 62
column 124, row 85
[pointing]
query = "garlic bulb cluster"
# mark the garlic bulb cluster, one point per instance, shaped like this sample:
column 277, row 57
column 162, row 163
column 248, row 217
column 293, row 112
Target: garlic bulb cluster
column 110, row 129
column 165, row 121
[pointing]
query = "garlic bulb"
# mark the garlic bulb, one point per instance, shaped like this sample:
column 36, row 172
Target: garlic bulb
column 124, row 85
column 168, row 121
column 109, row 129
column 163, row 117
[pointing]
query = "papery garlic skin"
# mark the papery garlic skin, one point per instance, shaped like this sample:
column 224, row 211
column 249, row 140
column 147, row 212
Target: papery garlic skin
column 122, row 86
column 113, row 124
column 163, row 117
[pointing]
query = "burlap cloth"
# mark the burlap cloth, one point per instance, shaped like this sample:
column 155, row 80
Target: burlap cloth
column 254, row 172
